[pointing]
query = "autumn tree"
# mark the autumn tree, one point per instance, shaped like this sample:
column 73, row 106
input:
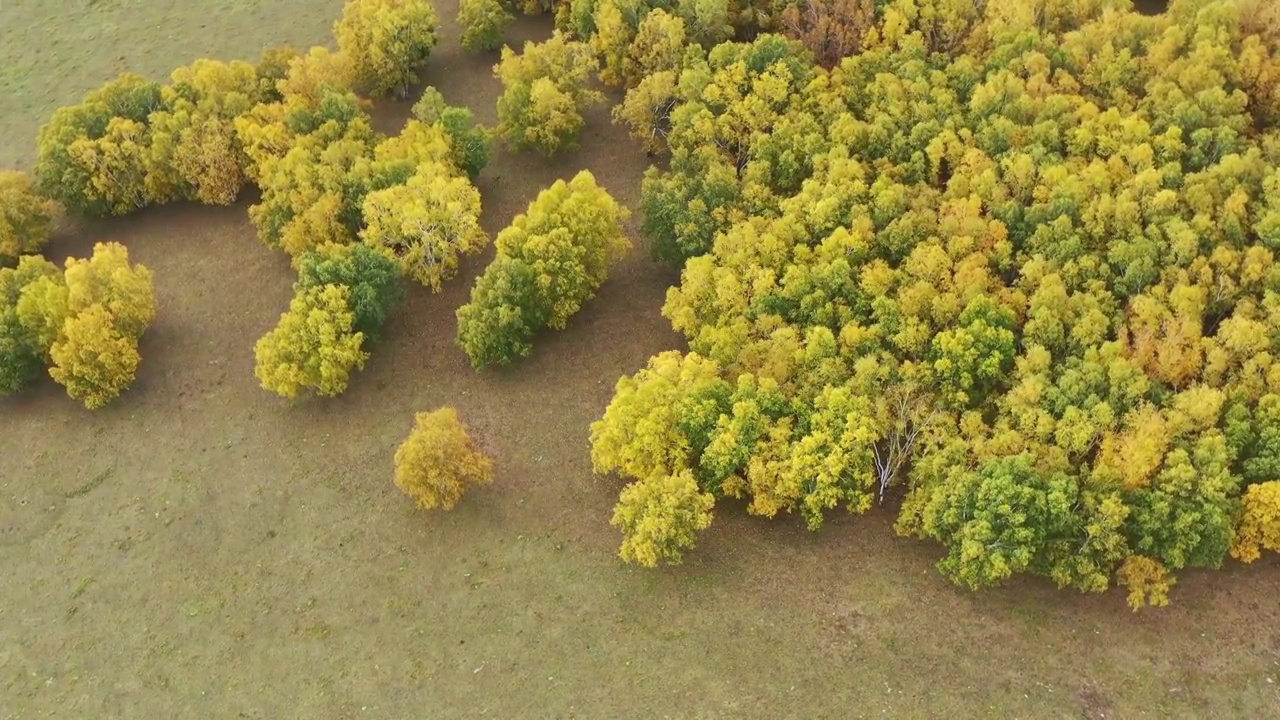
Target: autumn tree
column 470, row 144
column 544, row 90
column 426, row 224
column 373, row 281
column 314, row 347
column 23, row 345
column 439, row 461
column 550, row 261
column 483, row 24
column 387, row 41
column 831, row 29
column 660, row 517
column 26, row 218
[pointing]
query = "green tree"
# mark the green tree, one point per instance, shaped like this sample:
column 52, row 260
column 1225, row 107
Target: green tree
column 372, row 279
column 387, row 41
column 470, row 143
column 22, row 347
column 550, row 261
column 314, row 347
column 483, row 24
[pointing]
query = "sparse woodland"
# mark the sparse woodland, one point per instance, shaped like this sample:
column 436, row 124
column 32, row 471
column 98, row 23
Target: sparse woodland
column 1008, row 268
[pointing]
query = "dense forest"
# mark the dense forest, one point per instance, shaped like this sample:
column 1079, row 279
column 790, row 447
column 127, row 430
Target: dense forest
column 1008, row 267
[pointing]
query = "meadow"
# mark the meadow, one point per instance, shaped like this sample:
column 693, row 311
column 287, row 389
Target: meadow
column 203, row 548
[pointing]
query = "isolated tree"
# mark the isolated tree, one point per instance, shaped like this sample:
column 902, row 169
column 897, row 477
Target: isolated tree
column 483, row 24
column 94, row 358
column 660, row 517
column 26, row 218
column 314, row 347
column 470, row 144
column 550, row 261
column 373, row 281
column 544, row 90
column 387, row 41
column 426, row 224
column 438, row 462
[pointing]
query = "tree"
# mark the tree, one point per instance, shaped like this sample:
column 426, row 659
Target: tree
column 483, row 24
column 107, row 279
column 659, row 518
column 470, row 144
column 373, row 282
column 23, row 348
column 438, row 462
column 94, row 358
column 387, row 41
column 831, row 29
column 314, row 347
column 550, row 261
column 426, row 224
column 26, row 218
column 544, row 90
column 1260, row 522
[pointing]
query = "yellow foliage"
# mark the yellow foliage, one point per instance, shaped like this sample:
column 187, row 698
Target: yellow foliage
column 660, row 517
column 438, row 461
column 1259, row 522
column 310, row 74
column 387, row 40
column 94, row 358
column 26, row 218
column 107, row 279
column 313, row 347
column 1148, row 580
column 209, row 159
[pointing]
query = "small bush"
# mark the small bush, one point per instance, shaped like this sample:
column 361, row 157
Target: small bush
column 314, row 347
column 438, row 461
column 387, row 41
column 483, row 23
column 26, row 218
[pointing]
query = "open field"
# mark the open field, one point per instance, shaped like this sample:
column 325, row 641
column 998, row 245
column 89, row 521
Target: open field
column 201, row 549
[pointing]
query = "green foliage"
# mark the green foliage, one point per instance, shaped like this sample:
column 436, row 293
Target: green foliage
column 386, row 41
column 470, row 144
column 372, row 279
column 438, row 461
column 26, row 218
column 23, row 347
column 314, row 347
column 550, row 261
column 483, row 23
column 659, row 518
column 544, row 90
column 1014, row 263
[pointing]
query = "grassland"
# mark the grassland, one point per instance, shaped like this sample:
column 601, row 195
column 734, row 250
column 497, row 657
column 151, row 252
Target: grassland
column 200, row 549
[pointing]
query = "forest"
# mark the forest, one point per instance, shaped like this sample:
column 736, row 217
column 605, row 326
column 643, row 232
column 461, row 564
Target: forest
column 1006, row 268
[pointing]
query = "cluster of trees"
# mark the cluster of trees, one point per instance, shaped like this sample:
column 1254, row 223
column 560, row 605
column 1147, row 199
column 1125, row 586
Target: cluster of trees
column 1013, row 263
column 83, row 324
column 550, row 261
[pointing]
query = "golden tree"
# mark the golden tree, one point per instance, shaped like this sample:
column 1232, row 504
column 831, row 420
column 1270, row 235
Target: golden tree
column 438, row 462
column 314, row 347
column 26, row 218
column 387, row 41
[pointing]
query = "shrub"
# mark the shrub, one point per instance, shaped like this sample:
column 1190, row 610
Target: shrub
column 26, row 218
column 483, row 23
column 387, row 41
column 660, row 517
column 438, row 461
column 426, row 224
column 372, row 279
column 470, row 144
column 94, row 358
column 314, row 347
column 550, row 261
column 543, row 92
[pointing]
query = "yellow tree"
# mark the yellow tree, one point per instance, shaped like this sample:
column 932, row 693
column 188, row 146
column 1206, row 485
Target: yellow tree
column 108, row 279
column 426, row 224
column 439, row 461
column 660, row 517
column 483, row 22
column 544, row 90
column 314, row 347
column 387, row 41
column 94, row 358
column 26, row 218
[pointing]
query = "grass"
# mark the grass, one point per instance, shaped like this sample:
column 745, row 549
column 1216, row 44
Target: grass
column 252, row 558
